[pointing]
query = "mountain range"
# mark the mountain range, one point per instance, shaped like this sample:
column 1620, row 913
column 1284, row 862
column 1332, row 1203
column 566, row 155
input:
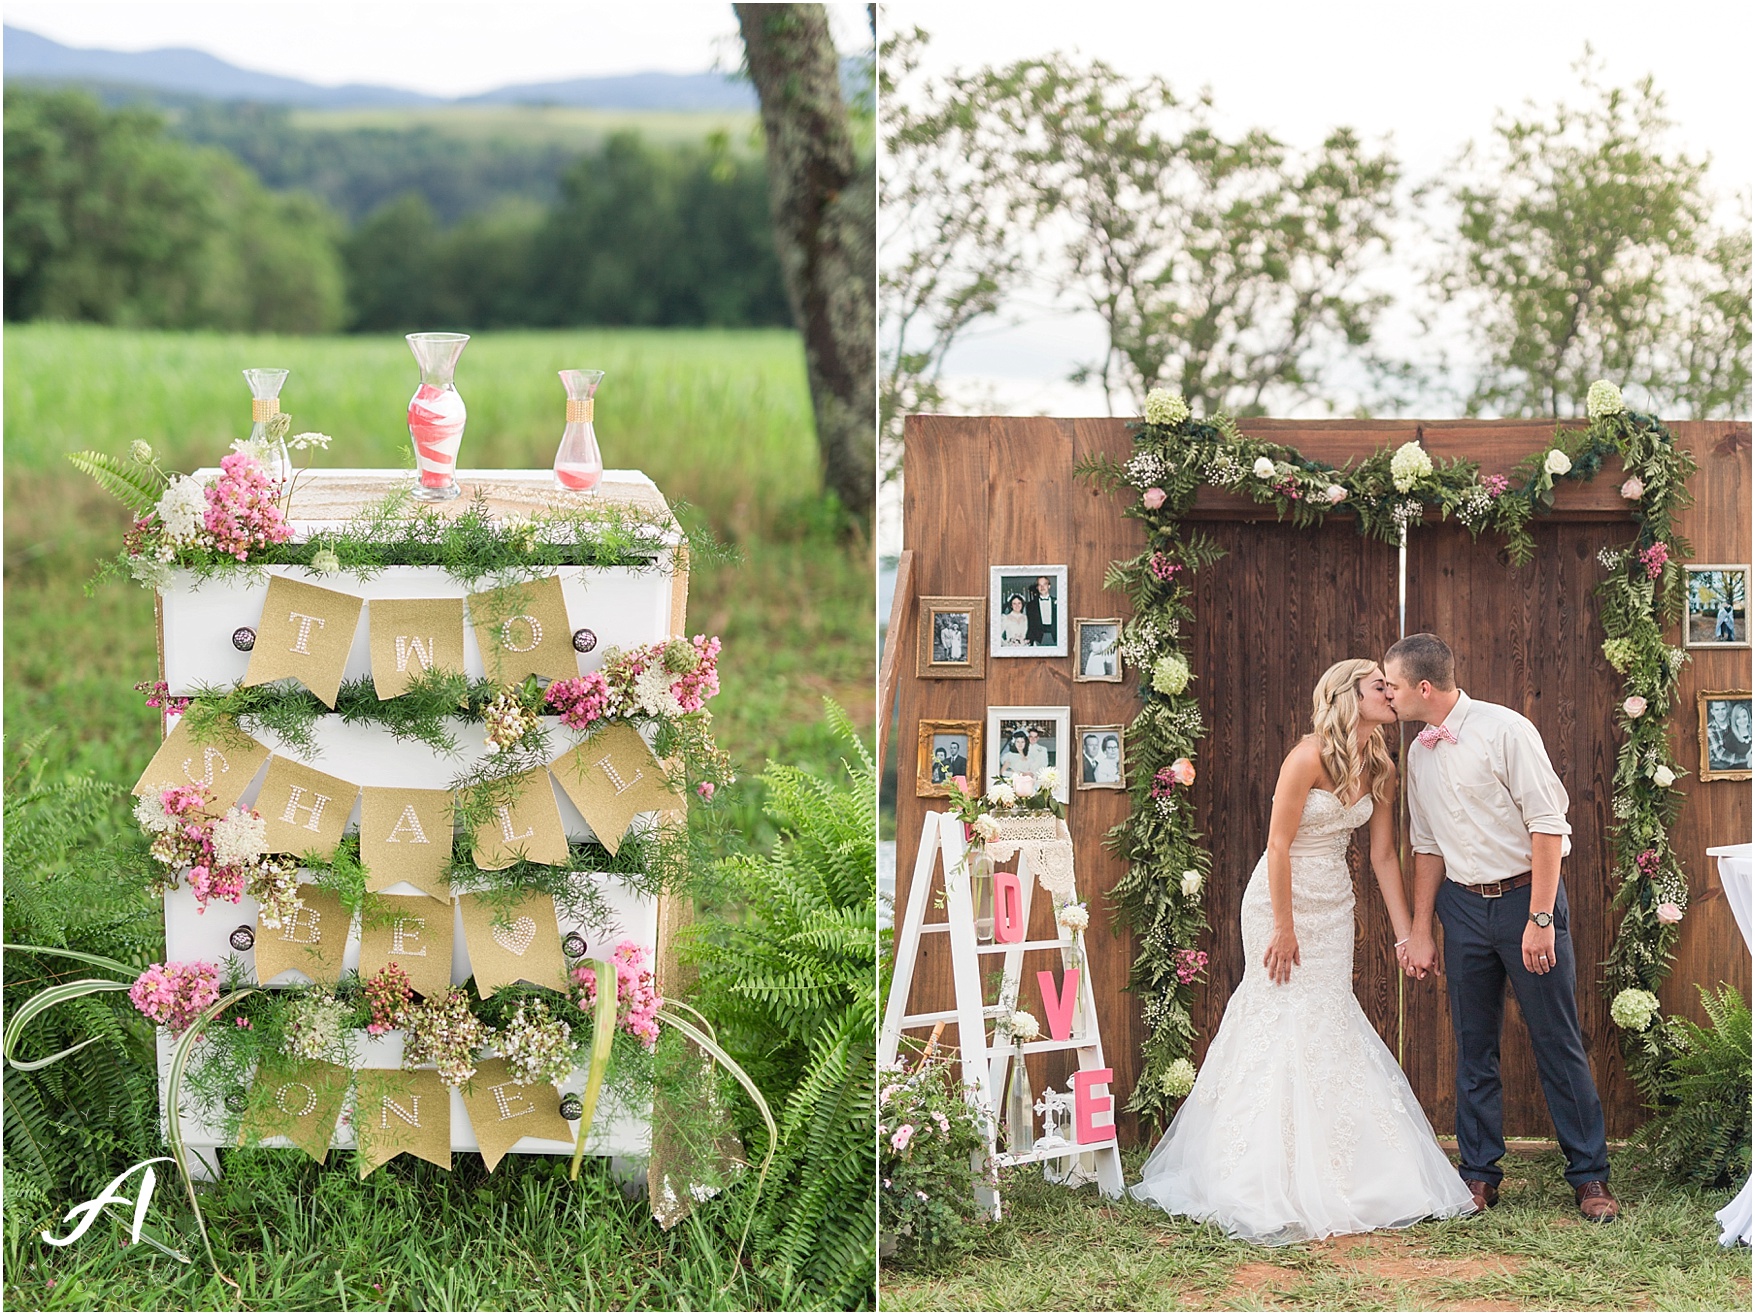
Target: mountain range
column 183, row 73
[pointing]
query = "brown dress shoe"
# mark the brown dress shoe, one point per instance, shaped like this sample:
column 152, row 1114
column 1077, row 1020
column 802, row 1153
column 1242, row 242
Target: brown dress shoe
column 1595, row 1203
column 1485, row 1194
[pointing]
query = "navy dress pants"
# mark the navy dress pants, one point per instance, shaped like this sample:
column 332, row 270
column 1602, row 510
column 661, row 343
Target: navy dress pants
column 1483, row 947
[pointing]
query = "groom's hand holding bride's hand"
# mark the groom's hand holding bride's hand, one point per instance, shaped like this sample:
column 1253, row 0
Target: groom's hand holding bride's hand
column 1420, row 955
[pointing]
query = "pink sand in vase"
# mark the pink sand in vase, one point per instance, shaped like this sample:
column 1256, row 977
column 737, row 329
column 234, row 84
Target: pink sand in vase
column 578, row 463
column 436, row 414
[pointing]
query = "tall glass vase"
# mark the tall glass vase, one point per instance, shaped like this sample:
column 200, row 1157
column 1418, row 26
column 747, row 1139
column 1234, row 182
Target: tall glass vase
column 265, row 386
column 578, row 463
column 436, row 414
column 981, row 893
column 1020, row 1107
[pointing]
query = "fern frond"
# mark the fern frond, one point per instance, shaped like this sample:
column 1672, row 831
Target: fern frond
column 137, row 487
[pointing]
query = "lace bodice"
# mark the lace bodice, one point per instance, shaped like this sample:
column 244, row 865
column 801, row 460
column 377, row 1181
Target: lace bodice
column 1328, row 824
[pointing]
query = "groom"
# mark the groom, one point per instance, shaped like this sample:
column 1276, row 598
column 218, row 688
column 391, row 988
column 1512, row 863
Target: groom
column 1487, row 824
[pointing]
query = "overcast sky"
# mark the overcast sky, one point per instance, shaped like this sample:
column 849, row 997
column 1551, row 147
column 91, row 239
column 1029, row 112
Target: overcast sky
column 441, row 47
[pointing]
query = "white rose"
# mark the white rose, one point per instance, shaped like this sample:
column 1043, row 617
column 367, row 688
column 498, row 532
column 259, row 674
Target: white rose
column 1663, row 777
column 1558, row 463
column 1264, row 469
column 1191, row 883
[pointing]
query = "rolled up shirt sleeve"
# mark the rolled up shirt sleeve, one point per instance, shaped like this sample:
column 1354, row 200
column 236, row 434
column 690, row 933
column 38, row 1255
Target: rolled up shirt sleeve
column 1533, row 783
column 1420, row 834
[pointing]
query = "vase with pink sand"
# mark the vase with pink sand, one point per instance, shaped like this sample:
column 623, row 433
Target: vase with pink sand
column 436, row 414
column 578, row 463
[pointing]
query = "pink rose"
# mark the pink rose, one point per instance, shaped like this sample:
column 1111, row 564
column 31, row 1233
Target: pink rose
column 1634, row 707
column 1183, row 771
column 1024, row 784
column 1153, row 498
column 1634, row 489
column 1668, row 912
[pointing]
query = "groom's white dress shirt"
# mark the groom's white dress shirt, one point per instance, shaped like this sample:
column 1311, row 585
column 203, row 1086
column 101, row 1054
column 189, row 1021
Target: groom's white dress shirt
column 1474, row 803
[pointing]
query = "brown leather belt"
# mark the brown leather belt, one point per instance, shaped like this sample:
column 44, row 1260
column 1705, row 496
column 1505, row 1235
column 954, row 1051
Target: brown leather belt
column 1494, row 889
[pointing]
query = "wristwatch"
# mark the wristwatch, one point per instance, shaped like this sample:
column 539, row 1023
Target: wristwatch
column 1543, row 920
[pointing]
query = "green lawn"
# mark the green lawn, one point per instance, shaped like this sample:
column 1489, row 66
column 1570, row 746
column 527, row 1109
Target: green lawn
column 1071, row 1250
column 564, row 125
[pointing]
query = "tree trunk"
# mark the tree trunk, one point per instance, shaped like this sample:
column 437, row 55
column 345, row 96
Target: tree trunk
column 824, row 206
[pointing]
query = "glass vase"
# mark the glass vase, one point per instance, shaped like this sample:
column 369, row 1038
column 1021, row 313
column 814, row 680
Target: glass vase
column 981, row 893
column 436, row 415
column 1020, row 1107
column 265, row 386
column 578, row 463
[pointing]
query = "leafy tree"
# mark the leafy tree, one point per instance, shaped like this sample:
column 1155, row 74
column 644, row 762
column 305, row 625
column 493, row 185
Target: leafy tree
column 1584, row 249
column 396, row 276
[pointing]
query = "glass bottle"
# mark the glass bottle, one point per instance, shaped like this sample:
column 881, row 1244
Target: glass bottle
column 436, row 415
column 265, row 386
column 981, row 893
column 578, row 463
column 1020, row 1107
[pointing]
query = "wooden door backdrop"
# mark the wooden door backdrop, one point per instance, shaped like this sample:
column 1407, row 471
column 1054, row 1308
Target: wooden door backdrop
column 1270, row 616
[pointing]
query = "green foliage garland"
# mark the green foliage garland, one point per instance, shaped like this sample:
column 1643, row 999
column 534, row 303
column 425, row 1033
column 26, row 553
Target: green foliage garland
column 1161, row 895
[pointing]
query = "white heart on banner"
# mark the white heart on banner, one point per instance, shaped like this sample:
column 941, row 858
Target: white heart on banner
column 516, row 938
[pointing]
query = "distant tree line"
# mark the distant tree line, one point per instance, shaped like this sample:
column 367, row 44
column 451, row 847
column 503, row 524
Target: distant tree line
column 111, row 218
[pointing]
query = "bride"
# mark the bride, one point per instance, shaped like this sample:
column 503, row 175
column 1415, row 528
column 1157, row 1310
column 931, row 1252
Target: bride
column 1301, row 1123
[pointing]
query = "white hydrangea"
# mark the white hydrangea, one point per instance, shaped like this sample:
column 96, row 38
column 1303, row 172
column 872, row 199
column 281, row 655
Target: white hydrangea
column 182, row 509
column 1603, row 399
column 239, row 837
column 1021, row 1025
column 149, row 811
column 1634, row 1009
column 1165, row 406
column 653, row 693
column 1409, row 465
column 1557, row 462
column 1074, row 917
column 1179, row 1077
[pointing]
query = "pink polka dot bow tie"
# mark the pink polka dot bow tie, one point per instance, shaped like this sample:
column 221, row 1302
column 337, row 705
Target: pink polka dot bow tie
column 1432, row 734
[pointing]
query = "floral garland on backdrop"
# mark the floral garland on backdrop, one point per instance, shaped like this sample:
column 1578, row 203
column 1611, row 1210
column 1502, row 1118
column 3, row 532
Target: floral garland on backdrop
column 1175, row 454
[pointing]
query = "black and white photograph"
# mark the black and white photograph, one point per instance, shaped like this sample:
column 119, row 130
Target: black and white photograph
column 1099, row 765
column 1027, row 742
column 947, row 750
column 1725, row 722
column 1029, row 611
column 1718, row 607
column 950, row 643
column 1097, row 648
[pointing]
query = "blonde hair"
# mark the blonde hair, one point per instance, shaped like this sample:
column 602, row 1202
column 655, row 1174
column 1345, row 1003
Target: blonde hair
column 1334, row 720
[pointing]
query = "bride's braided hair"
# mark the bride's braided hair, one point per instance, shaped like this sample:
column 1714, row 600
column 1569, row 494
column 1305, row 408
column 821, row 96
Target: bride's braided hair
column 1334, row 720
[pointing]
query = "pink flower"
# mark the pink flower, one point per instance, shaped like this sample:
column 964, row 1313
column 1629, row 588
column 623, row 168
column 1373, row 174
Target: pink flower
column 1634, row 489
column 1163, row 566
column 581, row 701
column 241, row 1021
column 1024, row 784
column 1183, row 771
column 1647, row 862
column 1495, row 485
column 1668, row 913
column 705, row 789
column 904, row 1135
column 1336, row 493
column 1153, row 498
column 241, row 511
column 175, row 994
column 636, row 991
column 1189, row 964
column 1634, row 706
column 1653, row 559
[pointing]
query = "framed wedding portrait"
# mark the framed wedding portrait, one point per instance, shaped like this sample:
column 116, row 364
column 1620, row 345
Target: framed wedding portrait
column 1027, row 611
column 1097, row 648
column 1025, row 740
column 950, row 639
column 1099, row 765
column 1718, row 607
column 947, row 750
column 1724, row 735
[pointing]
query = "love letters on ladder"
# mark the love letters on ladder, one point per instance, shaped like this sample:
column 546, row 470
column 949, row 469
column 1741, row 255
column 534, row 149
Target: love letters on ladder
column 1071, row 1017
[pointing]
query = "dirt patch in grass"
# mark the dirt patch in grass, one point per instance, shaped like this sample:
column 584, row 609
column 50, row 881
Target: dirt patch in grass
column 1389, row 1258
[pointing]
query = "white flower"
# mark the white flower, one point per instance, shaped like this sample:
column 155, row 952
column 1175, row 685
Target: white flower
column 1557, row 462
column 1165, row 406
column 1178, row 1077
column 1634, row 1009
column 1663, row 777
column 1025, row 784
column 986, row 826
column 141, row 451
column 653, row 694
column 182, row 509
column 1074, row 917
column 1191, row 881
column 1170, row 674
column 298, row 442
column 258, row 449
column 1409, row 465
column 1048, row 779
column 1003, row 795
column 1021, row 1025
column 1335, row 493
column 1264, row 468
column 239, row 837
column 149, row 811
column 1603, row 399
column 324, row 561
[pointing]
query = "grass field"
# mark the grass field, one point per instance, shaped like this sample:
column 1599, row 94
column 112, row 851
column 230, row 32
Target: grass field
column 561, row 125
column 1071, row 1250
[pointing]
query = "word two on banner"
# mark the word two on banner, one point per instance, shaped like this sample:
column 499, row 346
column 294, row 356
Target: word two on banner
column 612, row 778
column 224, row 769
column 523, row 631
column 503, row 1112
column 412, row 636
column 305, row 633
column 529, row 827
column 405, row 835
column 413, row 931
column 311, row 939
column 306, row 810
column 296, row 1099
column 519, row 943
column 399, row 1112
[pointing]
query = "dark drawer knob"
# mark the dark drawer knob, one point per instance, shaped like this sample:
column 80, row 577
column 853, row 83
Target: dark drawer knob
column 243, row 639
column 574, row 944
column 243, row 938
column 572, row 1107
column 584, row 640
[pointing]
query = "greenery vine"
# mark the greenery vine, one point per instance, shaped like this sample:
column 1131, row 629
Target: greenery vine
column 1388, row 494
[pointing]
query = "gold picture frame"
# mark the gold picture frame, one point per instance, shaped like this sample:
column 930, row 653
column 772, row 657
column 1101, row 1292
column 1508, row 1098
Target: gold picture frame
column 1087, row 769
column 1101, row 645
column 967, row 619
column 950, row 737
column 1724, row 745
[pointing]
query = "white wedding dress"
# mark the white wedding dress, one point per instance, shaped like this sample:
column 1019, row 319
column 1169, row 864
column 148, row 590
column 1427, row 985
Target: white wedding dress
column 1301, row 1123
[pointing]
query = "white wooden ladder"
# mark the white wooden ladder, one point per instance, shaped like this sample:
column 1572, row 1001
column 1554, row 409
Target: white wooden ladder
column 984, row 1060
